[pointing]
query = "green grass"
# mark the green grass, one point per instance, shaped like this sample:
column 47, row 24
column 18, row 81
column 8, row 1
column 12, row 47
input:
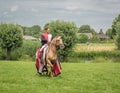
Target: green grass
column 21, row 77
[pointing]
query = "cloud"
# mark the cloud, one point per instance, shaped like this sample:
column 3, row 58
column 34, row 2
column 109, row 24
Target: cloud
column 72, row 7
column 93, row 12
column 34, row 10
column 5, row 13
column 14, row 8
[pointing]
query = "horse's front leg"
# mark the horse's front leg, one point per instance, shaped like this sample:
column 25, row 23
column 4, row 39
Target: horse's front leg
column 50, row 67
column 49, row 62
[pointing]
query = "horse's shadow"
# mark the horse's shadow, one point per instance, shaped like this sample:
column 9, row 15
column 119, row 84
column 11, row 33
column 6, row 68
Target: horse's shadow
column 46, row 75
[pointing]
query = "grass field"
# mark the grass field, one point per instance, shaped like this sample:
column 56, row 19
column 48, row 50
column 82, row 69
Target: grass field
column 21, row 77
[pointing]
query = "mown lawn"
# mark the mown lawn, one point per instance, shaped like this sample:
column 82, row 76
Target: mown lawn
column 21, row 77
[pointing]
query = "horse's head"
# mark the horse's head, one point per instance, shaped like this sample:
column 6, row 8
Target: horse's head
column 59, row 42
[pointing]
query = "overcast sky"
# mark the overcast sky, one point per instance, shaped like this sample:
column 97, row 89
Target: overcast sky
column 96, row 13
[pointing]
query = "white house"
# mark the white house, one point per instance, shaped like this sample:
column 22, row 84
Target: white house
column 29, row 38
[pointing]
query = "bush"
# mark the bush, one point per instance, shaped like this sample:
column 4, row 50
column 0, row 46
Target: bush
column 27, row 51
column 30, row 48
column 91, row 55
column 95, row 39
column 68, row 32
column 82, row 38
column 2, row 54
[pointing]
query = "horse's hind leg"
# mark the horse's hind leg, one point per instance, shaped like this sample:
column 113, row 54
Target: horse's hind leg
column 45, row 70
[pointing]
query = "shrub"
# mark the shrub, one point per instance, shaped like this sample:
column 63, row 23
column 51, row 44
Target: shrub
column 94, row 39
column 82, row 38
column 90, row 55
column 28, row 50
column 2, row 54
column 68, row 32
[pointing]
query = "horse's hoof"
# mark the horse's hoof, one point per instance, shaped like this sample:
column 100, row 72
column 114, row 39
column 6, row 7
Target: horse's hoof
column 39, row 73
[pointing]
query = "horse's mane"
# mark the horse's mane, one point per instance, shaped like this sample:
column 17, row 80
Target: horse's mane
column 53, row 40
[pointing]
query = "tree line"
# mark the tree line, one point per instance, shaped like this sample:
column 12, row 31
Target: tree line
column 11, row 35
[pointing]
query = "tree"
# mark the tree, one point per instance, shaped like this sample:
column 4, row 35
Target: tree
column 109, row 33
column 11, row 37
column 115, row 21
column 117, row 39
column 68, row 32
column 101, row 31
column 86, row 29
column 35, row 30
column 32, row 31
column 116, row 31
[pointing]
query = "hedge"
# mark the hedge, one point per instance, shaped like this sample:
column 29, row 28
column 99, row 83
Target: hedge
column 93, row 54
column 28, row 50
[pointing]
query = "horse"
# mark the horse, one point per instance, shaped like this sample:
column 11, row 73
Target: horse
column 51, row 53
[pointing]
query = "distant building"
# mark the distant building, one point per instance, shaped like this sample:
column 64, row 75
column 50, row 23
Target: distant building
column 102, row 36
column 29, row 38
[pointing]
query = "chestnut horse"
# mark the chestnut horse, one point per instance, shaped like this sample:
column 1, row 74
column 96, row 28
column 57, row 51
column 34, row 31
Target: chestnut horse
column 51, row 53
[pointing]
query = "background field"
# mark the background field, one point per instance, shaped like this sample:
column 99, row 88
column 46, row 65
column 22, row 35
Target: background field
column 95, row 47
column 21, row 77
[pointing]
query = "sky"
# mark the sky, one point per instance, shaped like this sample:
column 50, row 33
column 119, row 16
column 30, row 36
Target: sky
column 99, row 14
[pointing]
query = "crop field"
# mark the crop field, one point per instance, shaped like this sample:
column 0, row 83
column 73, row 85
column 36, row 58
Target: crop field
column 95, row 47
column 21, row 77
